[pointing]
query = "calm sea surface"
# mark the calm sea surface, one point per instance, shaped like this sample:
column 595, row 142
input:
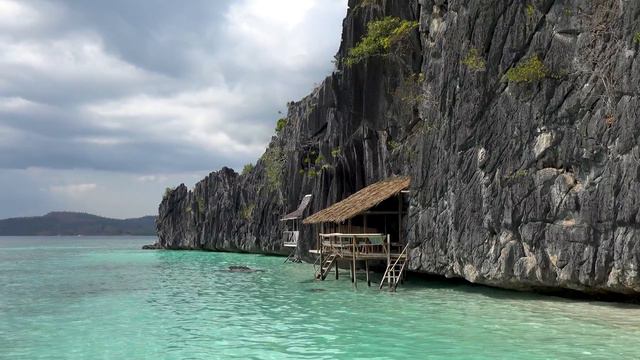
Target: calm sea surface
column 103, row 298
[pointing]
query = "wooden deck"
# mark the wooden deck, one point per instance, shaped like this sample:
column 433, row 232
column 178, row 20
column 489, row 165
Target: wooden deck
column 335, row 247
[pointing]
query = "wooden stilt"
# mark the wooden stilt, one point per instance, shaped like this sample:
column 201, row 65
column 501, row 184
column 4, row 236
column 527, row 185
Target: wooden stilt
column 355, row 278
column 388, row 256
column 320, row 248
column 337, row 270
column 351, row 270
column 366, row 266
column 400, row 218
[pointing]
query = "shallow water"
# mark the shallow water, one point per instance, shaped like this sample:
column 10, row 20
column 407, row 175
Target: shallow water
column 89, row 298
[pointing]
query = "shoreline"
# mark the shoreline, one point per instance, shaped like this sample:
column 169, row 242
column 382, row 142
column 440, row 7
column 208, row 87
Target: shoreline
column 562, row 293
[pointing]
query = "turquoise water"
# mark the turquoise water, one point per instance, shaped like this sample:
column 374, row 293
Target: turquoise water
column 102, row 298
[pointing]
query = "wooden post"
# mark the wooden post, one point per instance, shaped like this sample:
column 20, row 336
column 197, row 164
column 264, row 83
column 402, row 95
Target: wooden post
column 365, row 223
column 366, row 266
column 336, row 265
column 388, row 258
column 351, row 270
column 355, row 278
column 399, row 218
column 320, row 247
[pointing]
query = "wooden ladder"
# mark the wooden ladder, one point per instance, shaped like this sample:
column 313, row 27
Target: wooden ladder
column 292, row 258
column 395, row 270
column 326, row 266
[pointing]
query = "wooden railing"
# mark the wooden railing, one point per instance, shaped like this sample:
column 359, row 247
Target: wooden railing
column 359, row 244
column 290, row 238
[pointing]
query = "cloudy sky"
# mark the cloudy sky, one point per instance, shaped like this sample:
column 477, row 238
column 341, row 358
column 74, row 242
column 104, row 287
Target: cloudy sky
column 103, row 104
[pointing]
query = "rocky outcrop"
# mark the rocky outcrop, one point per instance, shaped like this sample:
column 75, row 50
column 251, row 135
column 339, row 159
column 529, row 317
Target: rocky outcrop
column 525, row 179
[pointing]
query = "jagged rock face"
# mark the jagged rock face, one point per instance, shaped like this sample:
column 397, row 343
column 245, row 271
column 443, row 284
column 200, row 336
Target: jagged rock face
column 529, row 185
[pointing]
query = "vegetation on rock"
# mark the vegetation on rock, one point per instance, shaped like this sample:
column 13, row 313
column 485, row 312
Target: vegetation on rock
column 273, row 160
column 247, row 169
column 382, row 38
column 366, row 3
column 313, row 163
column 280, row 124
column 201, row 205
column 529, row 70
column 410, row 91
column 531, row 10
column 247, row 211
column 473, row 61
column 392, row 145
column 515, row 176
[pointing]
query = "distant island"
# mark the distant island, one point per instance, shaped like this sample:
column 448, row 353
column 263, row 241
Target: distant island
column 74, row 223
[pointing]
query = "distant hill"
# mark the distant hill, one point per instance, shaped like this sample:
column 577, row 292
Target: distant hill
column 71, row 223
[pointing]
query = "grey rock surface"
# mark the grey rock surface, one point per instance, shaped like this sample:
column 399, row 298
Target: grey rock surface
column 531, row 185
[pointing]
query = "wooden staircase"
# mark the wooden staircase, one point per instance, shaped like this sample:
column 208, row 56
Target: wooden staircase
column 326, row 266
column 292, row 258
column 395, row 270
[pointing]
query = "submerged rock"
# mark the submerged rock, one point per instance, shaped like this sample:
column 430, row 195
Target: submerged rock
column 520, row 180
column 155, row 246
column 243, row 269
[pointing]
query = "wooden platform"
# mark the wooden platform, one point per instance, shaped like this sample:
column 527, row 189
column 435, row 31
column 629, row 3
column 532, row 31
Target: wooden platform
column 334, row 247
column 361, row 246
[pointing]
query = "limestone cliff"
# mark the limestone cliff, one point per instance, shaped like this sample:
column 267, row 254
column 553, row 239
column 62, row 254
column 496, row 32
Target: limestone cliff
column 517, row 120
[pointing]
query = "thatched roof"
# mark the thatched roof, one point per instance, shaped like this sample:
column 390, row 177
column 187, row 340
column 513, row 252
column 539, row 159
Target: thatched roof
column 299, row 211
column 360, row 202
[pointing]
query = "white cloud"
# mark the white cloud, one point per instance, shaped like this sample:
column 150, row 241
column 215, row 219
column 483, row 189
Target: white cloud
column 73, row 189
column 80, row 57
column 103, row 140
column 17, row 15
column 198, row 117
column 258, row 14
column 279, row 33
column 152, row 178
column 16, row 104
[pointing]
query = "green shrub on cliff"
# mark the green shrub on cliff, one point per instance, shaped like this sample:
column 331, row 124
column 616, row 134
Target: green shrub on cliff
column 167, row 192
column 247, row 169
column 636, row 38
column 531, row 11
column 409, row 91
column 280, row 124
column 247, row 211
column 517, row 175
column 529, row 70
column 201, row 205
column 393, row 145
column 473, row 61
column 367, row 3
column 273, row 160
column 382, row 38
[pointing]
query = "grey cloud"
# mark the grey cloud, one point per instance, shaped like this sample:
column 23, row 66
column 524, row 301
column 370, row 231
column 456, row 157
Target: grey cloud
column 146, row 87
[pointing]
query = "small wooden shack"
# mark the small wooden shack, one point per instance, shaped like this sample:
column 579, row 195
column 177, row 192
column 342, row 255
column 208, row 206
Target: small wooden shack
column 366, row 226
column 291, row 234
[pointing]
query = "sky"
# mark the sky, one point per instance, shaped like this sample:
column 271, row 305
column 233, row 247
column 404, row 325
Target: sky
column 104, row 104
